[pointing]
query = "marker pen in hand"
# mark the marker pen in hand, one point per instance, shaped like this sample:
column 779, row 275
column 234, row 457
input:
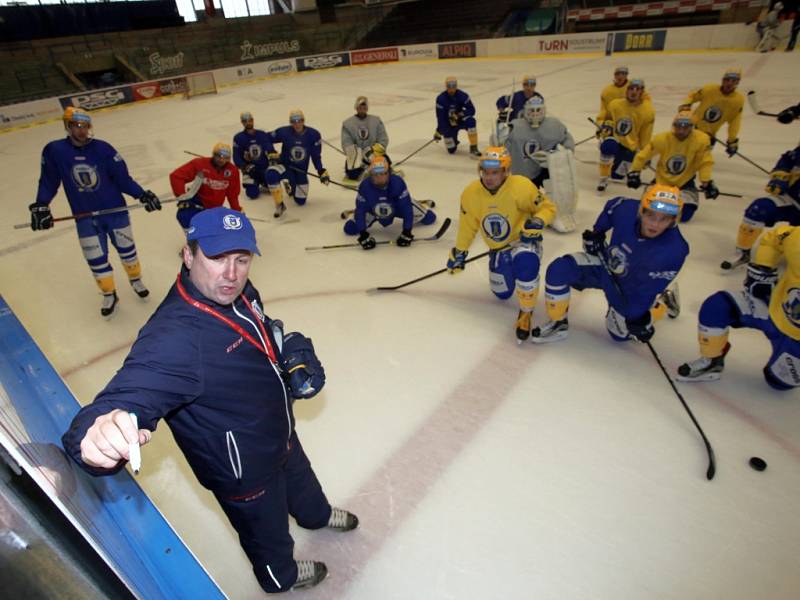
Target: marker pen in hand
column 134, row 452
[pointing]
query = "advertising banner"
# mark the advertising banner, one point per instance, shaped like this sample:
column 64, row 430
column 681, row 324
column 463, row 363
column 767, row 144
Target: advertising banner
column 374, row 55
column 419, row 52
column 324, row 61
column 640, row 41
column 565, row 44
column 458, row 50
column 37, row 111
column 94, row 99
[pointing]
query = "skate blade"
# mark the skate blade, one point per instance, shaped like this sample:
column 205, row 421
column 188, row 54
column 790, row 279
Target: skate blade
column 706, row 377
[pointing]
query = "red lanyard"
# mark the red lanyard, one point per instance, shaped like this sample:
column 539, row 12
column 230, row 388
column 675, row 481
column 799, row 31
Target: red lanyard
column 214, row 313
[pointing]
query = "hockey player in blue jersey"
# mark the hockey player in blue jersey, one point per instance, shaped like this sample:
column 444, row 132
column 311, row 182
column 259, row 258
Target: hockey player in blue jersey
column 454, row 112
column 299, row 145
column 251, row 147
column 518, row 100
column 94, row 177
column 643, row 256
column 781, row 204
column 384, row 197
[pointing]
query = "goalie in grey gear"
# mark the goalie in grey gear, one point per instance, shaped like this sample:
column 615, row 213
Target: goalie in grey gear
column 362, row 136
column 539, row 144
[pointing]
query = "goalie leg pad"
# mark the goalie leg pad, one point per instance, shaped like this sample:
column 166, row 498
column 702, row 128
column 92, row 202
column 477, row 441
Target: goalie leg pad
column 354, row 159
column 562, row 189
column 304, row 370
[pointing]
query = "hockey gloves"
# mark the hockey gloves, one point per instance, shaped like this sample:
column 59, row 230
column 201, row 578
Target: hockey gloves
column 437, row 136
column 634, row 180
column 732, row 147
column 778, row 183
column 531, row 232
column 150, row 201
column 366, row 240
column 594, row 242
column 405, row 238
column 378, row 149
column 273, row 158
column 540, row 157
column 306, row 375
column 457, row 261
column 642, row 328
column 788, row 115
column 324, row 178
column 710, row 191
column 605, row 130
column 41, row 217
column 759, row 281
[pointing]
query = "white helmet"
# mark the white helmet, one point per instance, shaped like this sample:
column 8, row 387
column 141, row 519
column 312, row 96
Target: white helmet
column 778, row 6
column 534, row 111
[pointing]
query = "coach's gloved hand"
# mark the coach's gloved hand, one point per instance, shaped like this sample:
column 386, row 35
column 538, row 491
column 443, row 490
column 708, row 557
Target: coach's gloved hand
column 457, row 261
column 436, row 135
column 324, row 178
column 366, row 240
column 634, row 180
column 594, row 242
column 306, row 375
column 732, row 147
column 641, row 328
column 531, row 232
column 404, row 239
column 41, row 217
column 778, row 183
column 710, row 191
column 760, row 281
column 150, row 201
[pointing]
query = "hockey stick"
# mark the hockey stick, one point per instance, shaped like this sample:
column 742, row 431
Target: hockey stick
column 742, row 156
column 432, row 238
column 332, row 146
column 591, row 137
column 712, row 462
column 347, row 187
column 193, row 154
column 753, row 102
column 425, row 145
column 418, row 279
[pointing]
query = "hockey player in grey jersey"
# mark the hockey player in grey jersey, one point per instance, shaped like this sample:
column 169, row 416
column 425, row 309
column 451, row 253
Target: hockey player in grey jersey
column 541, row 149
column 362, row 136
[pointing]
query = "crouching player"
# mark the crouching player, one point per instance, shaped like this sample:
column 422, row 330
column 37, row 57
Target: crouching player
column 633, row 269
column 776, row 312
column 382, row 198
column 510, row 212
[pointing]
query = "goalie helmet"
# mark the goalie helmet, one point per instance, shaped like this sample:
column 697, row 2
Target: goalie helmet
column 534, row 111
column 494, row 157
column 222, row 150
column 665, row 199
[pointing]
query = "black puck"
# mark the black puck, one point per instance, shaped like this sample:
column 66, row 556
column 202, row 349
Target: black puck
column 759, row 464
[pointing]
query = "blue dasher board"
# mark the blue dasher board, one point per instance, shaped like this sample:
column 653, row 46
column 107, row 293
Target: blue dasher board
column 112, row 513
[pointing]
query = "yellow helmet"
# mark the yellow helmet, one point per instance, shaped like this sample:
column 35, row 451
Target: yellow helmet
column 296, row 115
column 662, row 198
column 222, row 149
column 495, row 157
column 73, row 114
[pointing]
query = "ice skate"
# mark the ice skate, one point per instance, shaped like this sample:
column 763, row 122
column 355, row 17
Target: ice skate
column 342, row 520
column 140, row 288
column 109, row 304
column 602, row 184
column 742, row 257
column 523, row 326
column 552, row 331
column 474, row 152
column 279, row 210
column 672, row 300
column 309, row 574
column 703, row 369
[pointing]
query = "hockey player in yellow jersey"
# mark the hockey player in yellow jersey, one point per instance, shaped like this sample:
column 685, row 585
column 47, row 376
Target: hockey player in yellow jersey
column 682, row 153
column 626, row 130
column 615, row 89
column 767, row 302
column 719, row 104
column 510, row 212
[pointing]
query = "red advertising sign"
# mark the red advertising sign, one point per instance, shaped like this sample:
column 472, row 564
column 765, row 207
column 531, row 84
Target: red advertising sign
column 375, row 55
column 145, row 91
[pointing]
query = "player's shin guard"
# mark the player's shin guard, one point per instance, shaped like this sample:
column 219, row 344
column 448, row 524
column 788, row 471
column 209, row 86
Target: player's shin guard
column 748, row 234
column 473, row 137
column 276, row 191
column 658, row 310
column 133, row 268
column 556, row 300
column 712, row 340
column 527, row 293
column 105, row 283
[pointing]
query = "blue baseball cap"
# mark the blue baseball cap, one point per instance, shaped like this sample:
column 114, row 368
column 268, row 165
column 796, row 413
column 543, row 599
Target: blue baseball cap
column 220, row 230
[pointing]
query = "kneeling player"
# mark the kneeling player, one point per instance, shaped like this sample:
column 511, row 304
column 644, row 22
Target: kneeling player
column 510, row 212
column 454, row 112
column 776, row 312
column 644, row 255
column 251, row 147
column 782, row 204
column 382, row 198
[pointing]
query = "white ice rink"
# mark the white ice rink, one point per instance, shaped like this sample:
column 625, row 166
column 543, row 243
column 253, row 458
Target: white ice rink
column 479, row 468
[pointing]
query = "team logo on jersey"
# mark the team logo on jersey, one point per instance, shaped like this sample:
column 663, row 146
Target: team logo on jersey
column 298, row 153
column 255, row 152
column 227, row 173
column 624, row 127
column 383, row 210
column 496, row 227
column 362, row 132
column 617, row 261
column 791, row 306
column 231, row 222
column 676, row 164
column 712, row 114
column 530, row 147
column 85, row 177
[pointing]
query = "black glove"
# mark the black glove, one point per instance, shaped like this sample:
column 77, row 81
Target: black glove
column 306, row 375
column 248, row 169
column 634, row 180
column 594, row 242
column 503, row 115
column 642, row 328
column 437, row 136
column 150, row 201
column 273, row 158
column 788, row 115
column 405, row 238
column 732, row 147
column 759, row 281
column 324, row 178
column 366, row 240
column 710, row 190
column 41, row 217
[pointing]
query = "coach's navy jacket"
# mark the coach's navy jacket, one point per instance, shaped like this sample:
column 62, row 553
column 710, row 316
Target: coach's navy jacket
column 224, row 401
